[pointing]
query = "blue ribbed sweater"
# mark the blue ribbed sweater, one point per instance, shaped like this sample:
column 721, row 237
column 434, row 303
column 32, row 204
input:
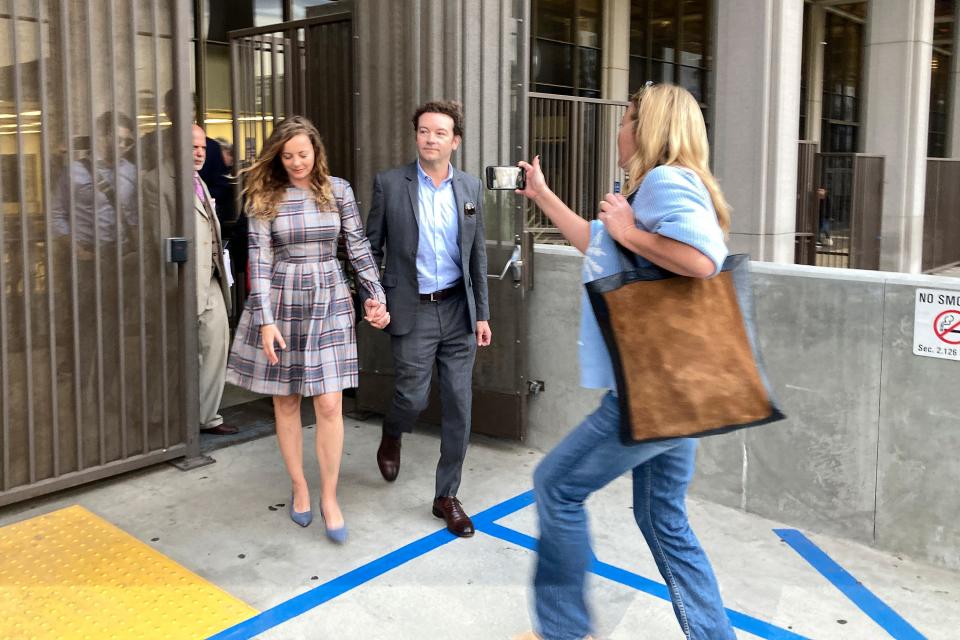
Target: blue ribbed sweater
column 671, row 201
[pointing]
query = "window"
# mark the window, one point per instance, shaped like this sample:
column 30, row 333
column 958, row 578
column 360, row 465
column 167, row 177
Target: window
column 669, row 42
column 940, row 67
column 567, row 40
column 842, row 83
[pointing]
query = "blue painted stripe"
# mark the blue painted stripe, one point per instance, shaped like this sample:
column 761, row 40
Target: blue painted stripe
column 739, row 620
column 866, row 601
column 329, row 590
column 504, row 509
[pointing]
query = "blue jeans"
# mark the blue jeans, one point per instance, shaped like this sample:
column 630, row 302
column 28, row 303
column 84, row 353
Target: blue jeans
column 589, row 458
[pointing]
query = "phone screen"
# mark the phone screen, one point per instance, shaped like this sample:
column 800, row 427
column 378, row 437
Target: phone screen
column 505, row 178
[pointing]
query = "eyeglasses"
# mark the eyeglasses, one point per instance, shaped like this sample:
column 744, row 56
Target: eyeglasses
column 125, row 142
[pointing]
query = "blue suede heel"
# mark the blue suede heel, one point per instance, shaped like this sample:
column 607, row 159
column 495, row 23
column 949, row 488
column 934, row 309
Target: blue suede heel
column 303, row 519
column 338, row 535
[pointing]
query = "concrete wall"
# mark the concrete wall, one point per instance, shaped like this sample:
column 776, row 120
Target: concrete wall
column 870, row 448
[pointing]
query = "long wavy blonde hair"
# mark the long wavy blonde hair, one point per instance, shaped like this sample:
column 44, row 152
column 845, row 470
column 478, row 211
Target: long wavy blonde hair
column 265, row 181
column 669, row 129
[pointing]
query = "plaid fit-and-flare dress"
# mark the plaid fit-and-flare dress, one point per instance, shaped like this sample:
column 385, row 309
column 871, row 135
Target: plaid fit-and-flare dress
column 296, row 283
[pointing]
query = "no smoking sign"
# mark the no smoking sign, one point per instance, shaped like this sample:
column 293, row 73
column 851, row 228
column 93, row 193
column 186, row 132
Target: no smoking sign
column 936, row 329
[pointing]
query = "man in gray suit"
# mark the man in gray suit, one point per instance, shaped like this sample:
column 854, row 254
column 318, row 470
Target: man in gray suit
column 213, row 298
column 429, row 215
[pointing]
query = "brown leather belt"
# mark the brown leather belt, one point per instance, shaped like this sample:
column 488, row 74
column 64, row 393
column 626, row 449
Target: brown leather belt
column 437, row 296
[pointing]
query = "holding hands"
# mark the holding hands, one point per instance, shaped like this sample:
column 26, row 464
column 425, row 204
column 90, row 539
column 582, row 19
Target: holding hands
column 376, row 313
column 616, row 214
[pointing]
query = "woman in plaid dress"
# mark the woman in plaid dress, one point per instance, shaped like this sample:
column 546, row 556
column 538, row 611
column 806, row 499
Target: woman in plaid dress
column 299, row 302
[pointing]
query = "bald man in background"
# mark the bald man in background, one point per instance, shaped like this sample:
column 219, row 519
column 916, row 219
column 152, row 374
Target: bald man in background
column 213, row 298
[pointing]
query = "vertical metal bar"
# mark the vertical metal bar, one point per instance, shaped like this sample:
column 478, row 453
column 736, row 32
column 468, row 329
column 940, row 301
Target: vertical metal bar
column 252, row 123
column 481, row 95
column 300, row 36
column 200, row 57
column 141, row 277
column 304, row 90
column 235, row 117
column 4, row 362
column 71, row 213
column 563, row 157
column 24, row 252
column 187, row 276
column 263, row 88
column 288, row 80
column 45, row 123
column 98, row 292
column 120, row 336
column 275, row 79
column 161, row 169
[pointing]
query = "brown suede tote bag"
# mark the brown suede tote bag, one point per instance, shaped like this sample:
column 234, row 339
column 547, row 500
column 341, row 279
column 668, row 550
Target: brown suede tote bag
column 684, row 350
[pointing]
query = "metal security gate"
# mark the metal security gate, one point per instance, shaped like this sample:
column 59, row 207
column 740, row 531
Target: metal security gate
column 575, row 139
column 302, row 67
column 850, row 214
column 807, row 225
column 358, row 70
column 271, row 72
column 94, row 349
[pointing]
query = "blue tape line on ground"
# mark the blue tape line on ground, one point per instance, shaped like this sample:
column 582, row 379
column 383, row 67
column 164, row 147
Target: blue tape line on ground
column 740, row 620
column 304, row 602
column 504, row 509
column 327, row 591
column 866, row 601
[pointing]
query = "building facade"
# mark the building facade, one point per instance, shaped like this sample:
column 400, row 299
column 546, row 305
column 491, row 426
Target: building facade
column 97, row 321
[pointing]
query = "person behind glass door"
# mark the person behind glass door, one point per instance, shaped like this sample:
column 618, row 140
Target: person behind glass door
column 676, row 218
column 213, row 297
column 296, row 336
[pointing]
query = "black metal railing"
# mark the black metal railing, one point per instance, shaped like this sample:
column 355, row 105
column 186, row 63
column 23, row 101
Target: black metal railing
column 576, row 139
column 941, row 223
column 839, row 211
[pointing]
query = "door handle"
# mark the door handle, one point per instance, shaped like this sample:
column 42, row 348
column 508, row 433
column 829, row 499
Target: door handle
column 514, row 265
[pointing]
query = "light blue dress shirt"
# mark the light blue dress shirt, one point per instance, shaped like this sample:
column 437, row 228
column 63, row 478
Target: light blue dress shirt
column 111, row 181
column 438, row 253
column 672, row 202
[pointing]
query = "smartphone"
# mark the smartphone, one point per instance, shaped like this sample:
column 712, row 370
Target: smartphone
column 506, row 178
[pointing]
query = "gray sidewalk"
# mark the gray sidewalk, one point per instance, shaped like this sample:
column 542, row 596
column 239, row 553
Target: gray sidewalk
column 217, row 521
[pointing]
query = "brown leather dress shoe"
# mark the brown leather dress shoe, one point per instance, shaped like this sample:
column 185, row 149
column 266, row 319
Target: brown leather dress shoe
column 388, row 457
column 221, row 430
column 450, row 509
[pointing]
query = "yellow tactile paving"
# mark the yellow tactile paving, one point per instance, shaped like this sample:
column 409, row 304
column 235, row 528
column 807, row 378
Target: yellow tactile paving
column 72, row 575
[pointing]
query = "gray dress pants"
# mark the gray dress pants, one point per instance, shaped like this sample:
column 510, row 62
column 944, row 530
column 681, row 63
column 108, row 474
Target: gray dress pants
column 441, row 336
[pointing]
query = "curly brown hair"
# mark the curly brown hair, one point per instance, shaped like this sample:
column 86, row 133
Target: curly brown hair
column 446, row 107
column 265, row 181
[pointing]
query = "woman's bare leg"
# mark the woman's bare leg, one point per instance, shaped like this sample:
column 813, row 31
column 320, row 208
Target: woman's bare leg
column 329, row 411
column 286, row 411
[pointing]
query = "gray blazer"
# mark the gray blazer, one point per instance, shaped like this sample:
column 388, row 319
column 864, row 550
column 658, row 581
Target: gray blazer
column 393, row 224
